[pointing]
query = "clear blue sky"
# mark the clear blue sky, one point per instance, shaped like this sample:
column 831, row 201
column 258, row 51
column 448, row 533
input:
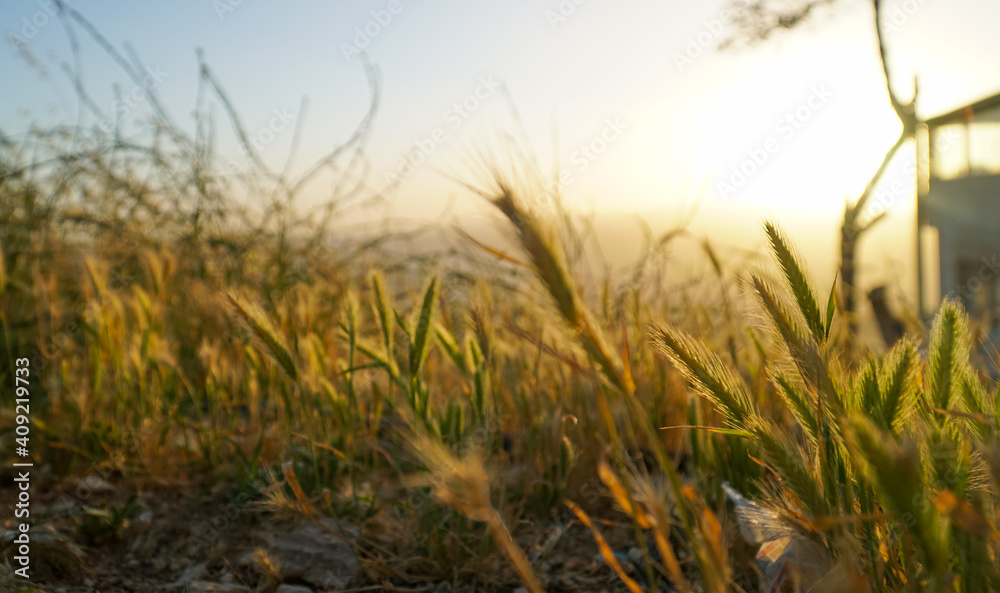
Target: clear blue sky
column 681, row 125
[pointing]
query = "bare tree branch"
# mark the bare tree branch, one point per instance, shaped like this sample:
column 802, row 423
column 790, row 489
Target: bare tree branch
column 756, row 22
column 906, row 112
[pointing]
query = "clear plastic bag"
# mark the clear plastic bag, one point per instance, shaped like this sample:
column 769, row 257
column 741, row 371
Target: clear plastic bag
column 787, row 559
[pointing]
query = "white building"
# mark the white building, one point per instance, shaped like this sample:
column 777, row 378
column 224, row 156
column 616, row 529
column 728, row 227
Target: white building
column 958, row 211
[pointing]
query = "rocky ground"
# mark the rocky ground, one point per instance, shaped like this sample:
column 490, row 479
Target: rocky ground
column 88, row 537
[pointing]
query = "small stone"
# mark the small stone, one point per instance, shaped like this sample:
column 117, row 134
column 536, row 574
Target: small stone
column 286, row 588
column 314, row 555
column 520, row 590
column 94, row 484
column 635, row 555
column 191, row 574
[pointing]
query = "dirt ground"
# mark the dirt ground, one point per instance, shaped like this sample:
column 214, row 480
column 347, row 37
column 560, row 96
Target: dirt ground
column 209, row 539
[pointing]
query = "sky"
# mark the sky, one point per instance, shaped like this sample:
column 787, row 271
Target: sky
column 631, row 101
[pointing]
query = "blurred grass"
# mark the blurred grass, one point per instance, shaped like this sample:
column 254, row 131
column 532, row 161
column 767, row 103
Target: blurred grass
column 217, row 348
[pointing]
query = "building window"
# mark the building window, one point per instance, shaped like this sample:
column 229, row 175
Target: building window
column 949, row 159
column 984, row 148
column 960, row 150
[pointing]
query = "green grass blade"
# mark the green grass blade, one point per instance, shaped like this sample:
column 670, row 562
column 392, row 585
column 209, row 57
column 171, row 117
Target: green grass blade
column 949, row 354
column 451, row 348
column 790, row 462
column 710, row 376
column 383, row 309
column 868, row 397
column 420, row 341
column 831, row 305
column 799, row 404
column 261, row 327
column 898, row 385
column 802, row 348
column 796, row 281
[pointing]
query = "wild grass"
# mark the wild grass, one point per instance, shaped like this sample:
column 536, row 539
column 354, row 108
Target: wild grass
column 460, row 398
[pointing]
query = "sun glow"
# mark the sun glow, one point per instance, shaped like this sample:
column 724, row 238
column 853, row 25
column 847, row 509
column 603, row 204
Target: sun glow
column 797, row 133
